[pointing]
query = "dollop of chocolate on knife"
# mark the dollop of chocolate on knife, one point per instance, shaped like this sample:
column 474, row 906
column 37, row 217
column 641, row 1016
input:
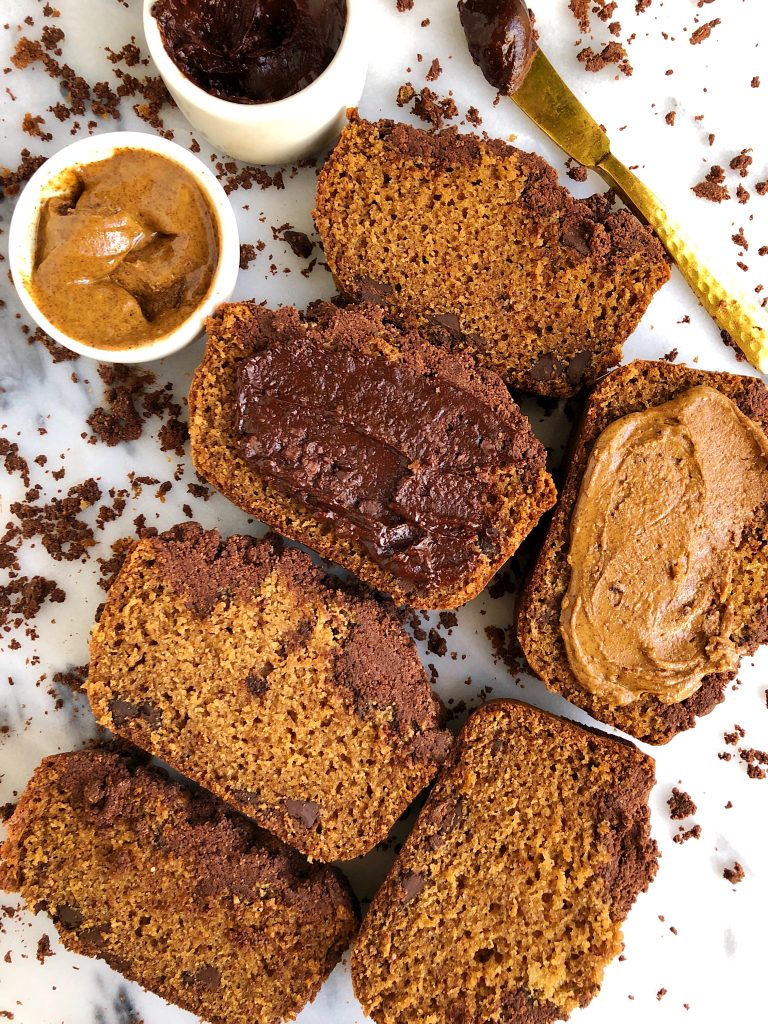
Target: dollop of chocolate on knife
column 500, row 39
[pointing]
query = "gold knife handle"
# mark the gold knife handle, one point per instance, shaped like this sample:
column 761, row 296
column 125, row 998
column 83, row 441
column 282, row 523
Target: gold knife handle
column 746, row 322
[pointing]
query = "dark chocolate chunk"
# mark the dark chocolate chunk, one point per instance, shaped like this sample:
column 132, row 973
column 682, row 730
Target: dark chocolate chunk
column 95, row 935
column 374, row 291
column 577, row 368
column 244, row 796
column 446, row 816
column 123, row 711
column 305, row 811
column 544, row 367
column 300, row 242
column 257, row 683
column 207, row 977
column 447, row 321
column 575, row 236
column 68, row 917
column 412, row 885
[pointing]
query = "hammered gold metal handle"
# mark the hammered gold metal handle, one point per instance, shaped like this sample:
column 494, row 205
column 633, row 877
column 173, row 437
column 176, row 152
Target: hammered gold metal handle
column 746, row 322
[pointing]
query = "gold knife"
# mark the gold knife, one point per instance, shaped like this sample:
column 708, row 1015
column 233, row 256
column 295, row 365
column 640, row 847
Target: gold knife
column 548, row 101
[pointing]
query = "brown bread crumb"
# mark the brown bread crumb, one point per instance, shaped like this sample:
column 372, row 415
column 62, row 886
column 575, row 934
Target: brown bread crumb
column 680, row 805
column 435, row 70
column 613, row 53
column 735, row 874
column 43, row 948
column 703, row 32
column 742, row 163
column 684, row 835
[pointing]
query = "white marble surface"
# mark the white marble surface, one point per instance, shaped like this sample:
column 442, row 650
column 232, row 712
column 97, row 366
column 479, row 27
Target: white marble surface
column 715, row 962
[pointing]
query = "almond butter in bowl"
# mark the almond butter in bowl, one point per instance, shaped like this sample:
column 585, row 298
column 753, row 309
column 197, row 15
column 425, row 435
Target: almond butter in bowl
column 122, row 249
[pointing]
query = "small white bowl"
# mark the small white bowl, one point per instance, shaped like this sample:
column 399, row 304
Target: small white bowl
column 22, row 241
column 287, row 130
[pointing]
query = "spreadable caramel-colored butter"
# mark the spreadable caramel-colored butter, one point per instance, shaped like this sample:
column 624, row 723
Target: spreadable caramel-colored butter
column 126, row 250
column 654, row 545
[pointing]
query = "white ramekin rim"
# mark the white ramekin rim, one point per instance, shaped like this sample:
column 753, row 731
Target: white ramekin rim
column 23, row 236
column 251, row 115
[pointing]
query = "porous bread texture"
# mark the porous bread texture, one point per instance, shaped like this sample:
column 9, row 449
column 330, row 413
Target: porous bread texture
column 478, row 242
column 237, row 330
column 243, row 667
column 506, row 902
column 633, row 388
column 175, row 891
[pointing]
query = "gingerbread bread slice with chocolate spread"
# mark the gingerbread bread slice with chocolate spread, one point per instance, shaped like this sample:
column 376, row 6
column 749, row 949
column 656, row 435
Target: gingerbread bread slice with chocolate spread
column 507, row 900
column 686, row 624
column 174, row 890
column 480, row 244
column 402, row 462
column 243, row 666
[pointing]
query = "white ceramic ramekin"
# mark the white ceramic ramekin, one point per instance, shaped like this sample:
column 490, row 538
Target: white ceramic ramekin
column 273, row 133
column 43, row 184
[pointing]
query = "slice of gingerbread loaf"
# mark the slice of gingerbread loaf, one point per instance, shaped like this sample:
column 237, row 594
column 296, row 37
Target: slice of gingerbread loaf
column 243, row 666
column 402, row 462
column 507, row 900
column 174, row 890
column 479, row 242
column 651, row 583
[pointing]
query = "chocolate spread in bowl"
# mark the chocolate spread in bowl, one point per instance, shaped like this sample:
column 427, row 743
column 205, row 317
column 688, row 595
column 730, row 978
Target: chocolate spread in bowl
column 254, row 51
column 655, row 536
column 126, row 251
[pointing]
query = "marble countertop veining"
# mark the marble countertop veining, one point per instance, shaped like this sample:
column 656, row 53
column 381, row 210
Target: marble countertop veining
column 693, row 935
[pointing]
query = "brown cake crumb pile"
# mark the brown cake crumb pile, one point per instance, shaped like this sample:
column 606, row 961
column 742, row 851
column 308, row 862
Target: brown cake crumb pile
column 342, row 728
column 103, row 100
column 23, row 597
column 248, row 253
column 132, row 401
column 247, row 930
column 427, row 105
column 57, row 352
column 735, row 874
column 756, row 761
column 703, row 32
column 712, row 187
column 74, row 678
column 532, row 812
column 685, row 834
column 612, row 53
column 741, row 163
column 64, row 535
column 11, row 181
column 680, row 805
